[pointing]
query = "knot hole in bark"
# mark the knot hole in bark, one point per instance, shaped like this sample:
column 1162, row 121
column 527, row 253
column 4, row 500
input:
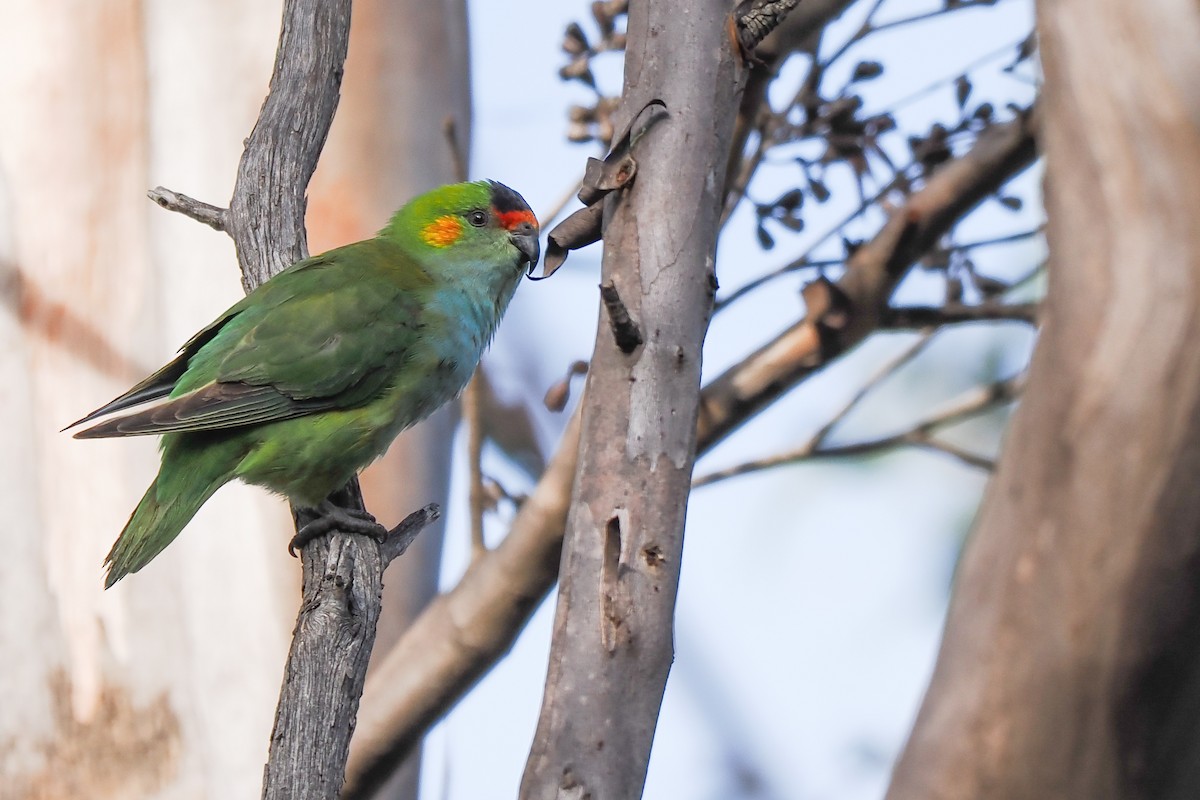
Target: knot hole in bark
column 612, row 624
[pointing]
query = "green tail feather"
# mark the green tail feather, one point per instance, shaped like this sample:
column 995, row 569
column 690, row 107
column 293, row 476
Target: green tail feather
column 154, row 524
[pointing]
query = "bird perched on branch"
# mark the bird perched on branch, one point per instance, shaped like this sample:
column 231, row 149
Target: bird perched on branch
column 313, row 374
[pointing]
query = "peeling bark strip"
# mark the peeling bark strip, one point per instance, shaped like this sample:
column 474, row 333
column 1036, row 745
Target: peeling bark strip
column 612, row 644
column 1070, row 666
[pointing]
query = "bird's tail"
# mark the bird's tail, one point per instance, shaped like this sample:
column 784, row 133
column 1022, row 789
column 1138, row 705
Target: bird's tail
column 156, row 521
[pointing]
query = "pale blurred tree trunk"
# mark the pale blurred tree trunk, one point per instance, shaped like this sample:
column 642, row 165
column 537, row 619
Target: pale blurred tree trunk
column 165, row 686
column 1070, row 666
column 407, row 73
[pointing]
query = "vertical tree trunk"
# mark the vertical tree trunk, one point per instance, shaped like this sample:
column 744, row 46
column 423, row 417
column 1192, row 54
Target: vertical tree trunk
column 612, row 644
column 1070, row 666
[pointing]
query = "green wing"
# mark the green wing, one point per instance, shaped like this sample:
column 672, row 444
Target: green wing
column 330, row 332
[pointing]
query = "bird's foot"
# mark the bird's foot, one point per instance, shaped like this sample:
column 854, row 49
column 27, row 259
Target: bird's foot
column 335, row 518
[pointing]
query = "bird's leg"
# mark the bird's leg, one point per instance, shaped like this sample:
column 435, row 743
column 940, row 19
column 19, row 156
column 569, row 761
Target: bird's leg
column 331, row 517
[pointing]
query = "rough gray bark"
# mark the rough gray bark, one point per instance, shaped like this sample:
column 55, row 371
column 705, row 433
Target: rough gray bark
column 465, row 630
column 799, row 30
column 266, row 213
column 612, row 644
column 1069, row 667
column 327, row 664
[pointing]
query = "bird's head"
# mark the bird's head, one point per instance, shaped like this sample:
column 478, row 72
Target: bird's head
column 481, row 221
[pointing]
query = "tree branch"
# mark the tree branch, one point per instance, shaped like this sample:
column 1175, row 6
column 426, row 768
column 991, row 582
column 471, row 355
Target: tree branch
column 266, row 213
column 871, row 275
column 970, row 403
column 935, row 316
column 327, row 663
column 403, row 535
column 757, row 18
column 465, row 630
column 870, row 26
column 212, row 216
column 800, row 30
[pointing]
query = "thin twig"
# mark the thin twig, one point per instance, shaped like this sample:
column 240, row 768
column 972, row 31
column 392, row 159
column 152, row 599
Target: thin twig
column 933, row 86
column 400, row 537
column 969, row 404
column 750, row 165
column 870, row 27
column 965, row 456
column 457, row 159
column 909, row 317
column 212, row 216
column 816, row 70
column 1007, row 238
column 802, row 261
column 472, row 405
column 863, row 32
column 947, row 9
column 871, row 275
column 885, row 371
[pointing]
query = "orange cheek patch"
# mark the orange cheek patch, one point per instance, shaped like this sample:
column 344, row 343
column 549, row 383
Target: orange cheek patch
column 442, row 231
column 511, row 219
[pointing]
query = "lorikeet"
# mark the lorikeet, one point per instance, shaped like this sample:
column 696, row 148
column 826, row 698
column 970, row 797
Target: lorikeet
column 313, row 374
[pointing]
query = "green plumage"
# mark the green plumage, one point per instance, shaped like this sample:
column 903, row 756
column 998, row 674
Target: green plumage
column 313, row 374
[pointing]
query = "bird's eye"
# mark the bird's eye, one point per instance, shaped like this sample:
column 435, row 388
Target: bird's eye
column 477, row 218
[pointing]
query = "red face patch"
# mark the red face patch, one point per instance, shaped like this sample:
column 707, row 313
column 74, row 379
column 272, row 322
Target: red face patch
column 511, row 219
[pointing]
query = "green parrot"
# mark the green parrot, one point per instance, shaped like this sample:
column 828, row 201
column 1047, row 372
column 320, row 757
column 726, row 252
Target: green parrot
column 313, row 374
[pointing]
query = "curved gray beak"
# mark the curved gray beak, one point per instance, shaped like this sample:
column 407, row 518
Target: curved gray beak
column 525, row 237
